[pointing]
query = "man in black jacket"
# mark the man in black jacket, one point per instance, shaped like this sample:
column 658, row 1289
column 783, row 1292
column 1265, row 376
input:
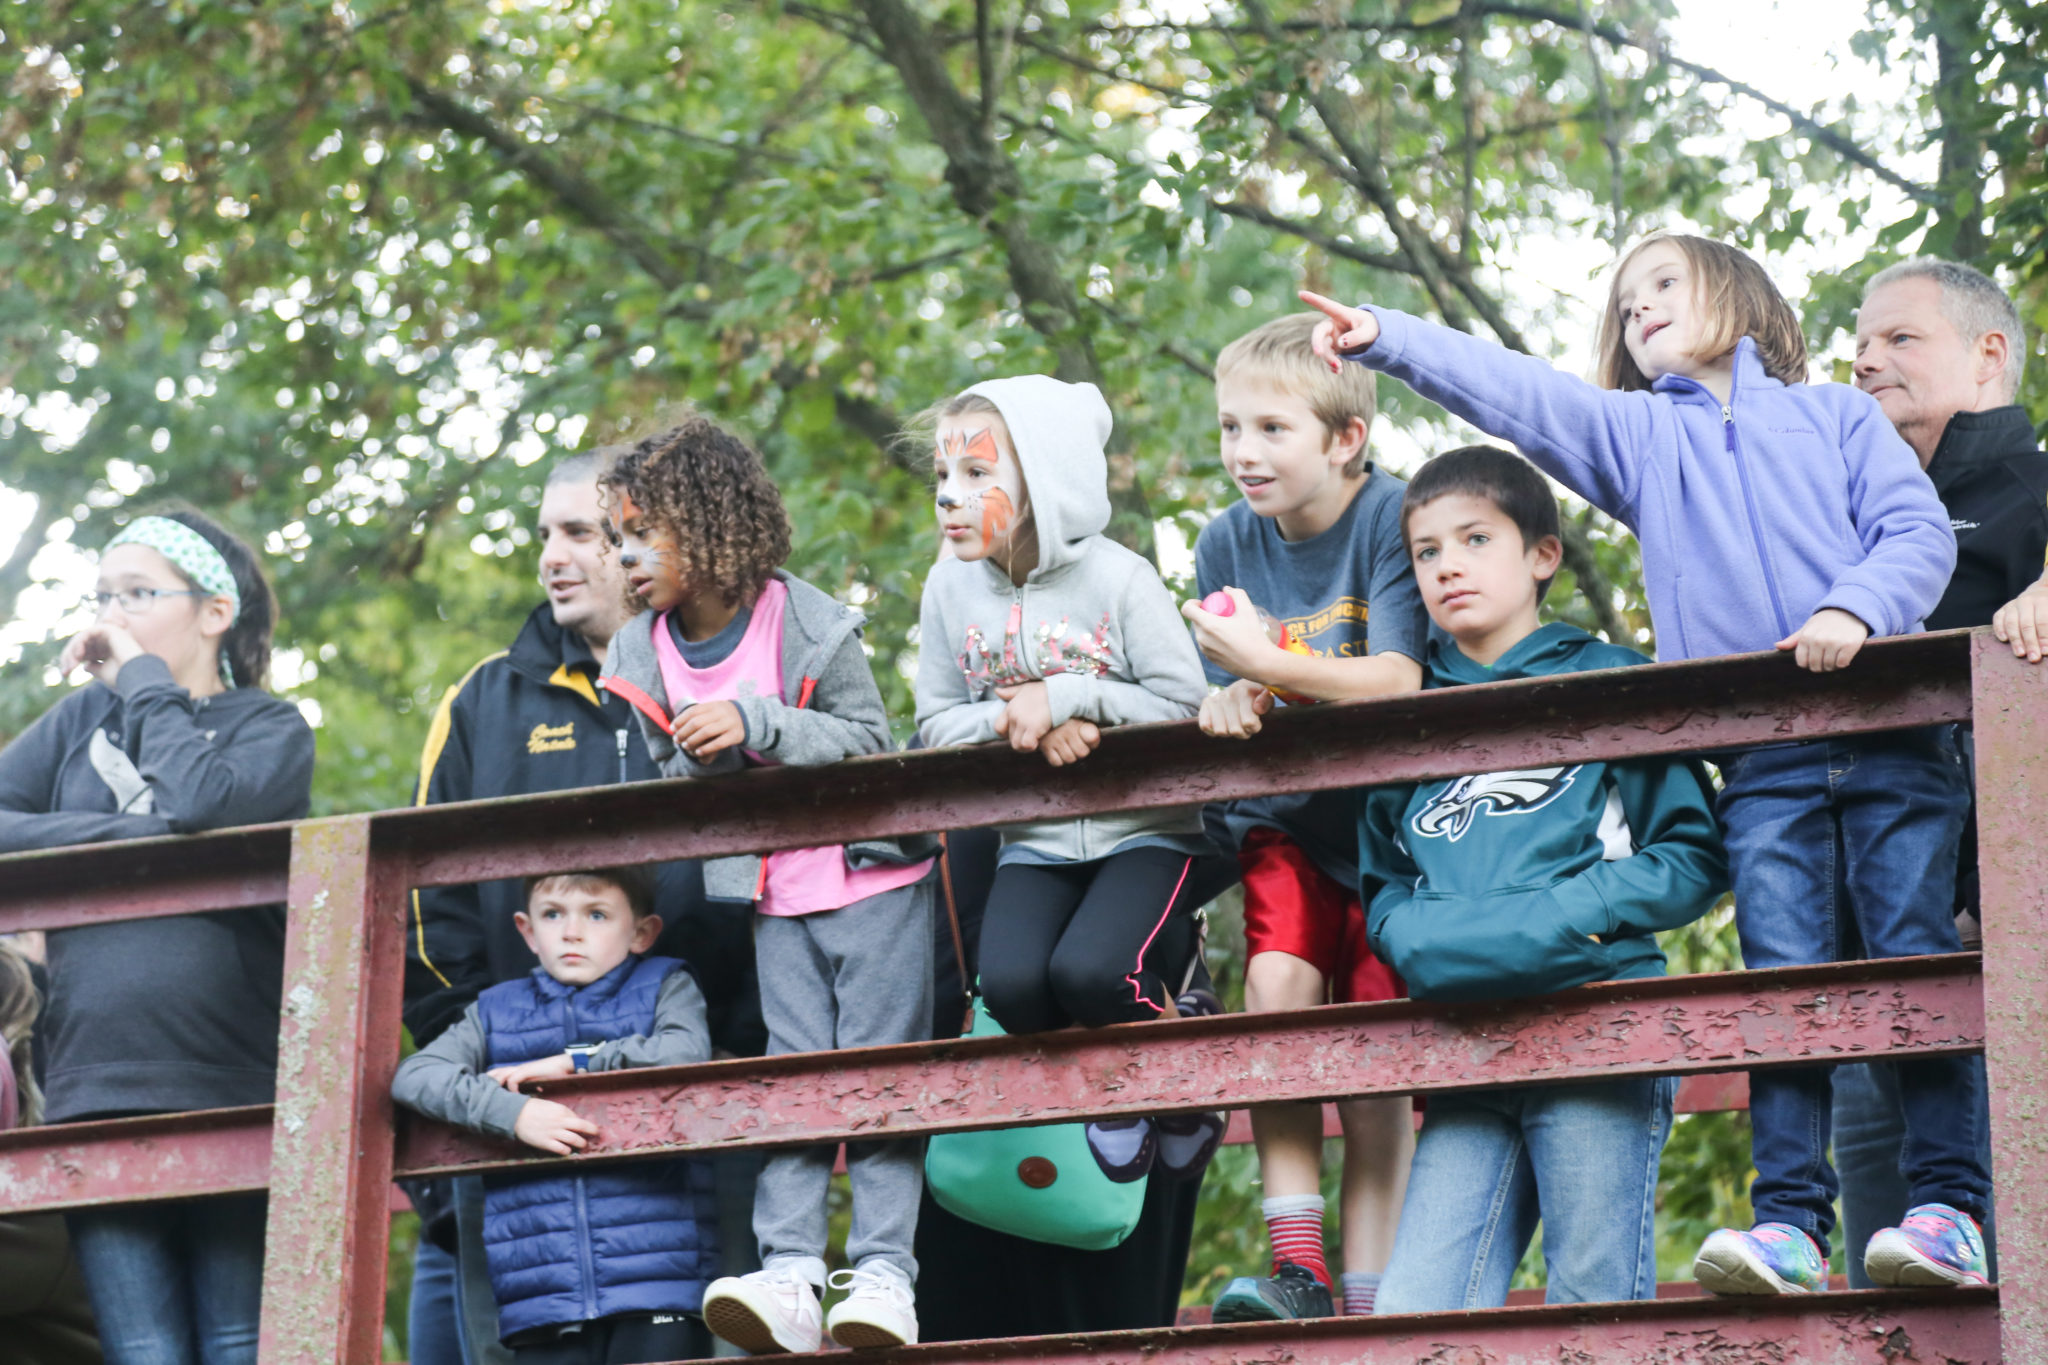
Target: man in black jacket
column 525, row 720
column 1940, row 346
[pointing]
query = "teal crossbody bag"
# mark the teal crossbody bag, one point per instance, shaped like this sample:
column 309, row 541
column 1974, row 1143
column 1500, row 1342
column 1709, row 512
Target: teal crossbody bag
column 1039, row 1183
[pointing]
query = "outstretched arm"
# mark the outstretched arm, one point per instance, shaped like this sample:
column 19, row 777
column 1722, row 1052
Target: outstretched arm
column 1592, row 440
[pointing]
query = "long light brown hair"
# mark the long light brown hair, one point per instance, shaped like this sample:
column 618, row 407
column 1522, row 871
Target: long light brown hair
column 20, row 1002
column 1734, row 298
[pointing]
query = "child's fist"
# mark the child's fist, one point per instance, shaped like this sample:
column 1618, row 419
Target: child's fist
column 1070, row 741
column 1828, row 641
column 553, row 1127
column 707, row 729
column 1343, row 331
column 541, row 1069
column 1028, row 716
column 1234, row 712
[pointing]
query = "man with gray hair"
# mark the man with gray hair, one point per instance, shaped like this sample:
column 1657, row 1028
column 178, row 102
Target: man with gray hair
column 1940, row 346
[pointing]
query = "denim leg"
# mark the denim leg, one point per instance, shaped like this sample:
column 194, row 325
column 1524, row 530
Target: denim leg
column 224, row 1263
column 1470, row 1209
column 1902, row 800
column 1595, row 1150
column 432, row 1335
column 134, row 1269
column 1784, row 854
column 1870, row 1132
column 1870, row 1128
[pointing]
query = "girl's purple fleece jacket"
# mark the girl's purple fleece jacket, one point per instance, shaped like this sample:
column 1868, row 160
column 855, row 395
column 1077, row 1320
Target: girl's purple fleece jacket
column 1751, row 516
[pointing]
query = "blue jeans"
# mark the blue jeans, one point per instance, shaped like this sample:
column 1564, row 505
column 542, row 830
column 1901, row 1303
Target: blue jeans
column 1831, row 842
column 1870, row 1130
column 1490, row 1164
column 174, row 1284
column 433, row 1321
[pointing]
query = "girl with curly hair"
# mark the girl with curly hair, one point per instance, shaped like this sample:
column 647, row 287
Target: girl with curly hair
column 735, row 662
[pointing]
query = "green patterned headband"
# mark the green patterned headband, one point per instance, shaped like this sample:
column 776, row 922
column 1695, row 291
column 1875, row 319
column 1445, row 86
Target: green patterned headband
column 191, row 552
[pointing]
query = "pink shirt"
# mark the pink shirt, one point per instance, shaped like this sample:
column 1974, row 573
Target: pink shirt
column 795, row 881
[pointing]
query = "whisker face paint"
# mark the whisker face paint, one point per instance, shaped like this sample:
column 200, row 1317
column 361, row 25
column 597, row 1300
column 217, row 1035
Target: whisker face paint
column 979, row 486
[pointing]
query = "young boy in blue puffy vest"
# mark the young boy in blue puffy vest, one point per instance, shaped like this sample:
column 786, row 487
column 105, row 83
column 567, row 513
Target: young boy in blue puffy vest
column 609, row 1267
column 1522, row 883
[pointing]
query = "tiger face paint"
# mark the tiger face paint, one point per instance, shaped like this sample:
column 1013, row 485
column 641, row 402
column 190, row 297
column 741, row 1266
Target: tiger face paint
column 980, row 487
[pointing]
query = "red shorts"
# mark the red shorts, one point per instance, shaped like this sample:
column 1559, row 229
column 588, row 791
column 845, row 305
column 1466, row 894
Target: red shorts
column 1292, row 906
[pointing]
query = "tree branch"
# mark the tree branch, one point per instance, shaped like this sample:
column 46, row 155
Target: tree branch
column 1336, row 246
column 1593, row 583
column 574, row 192
column 1614, row 36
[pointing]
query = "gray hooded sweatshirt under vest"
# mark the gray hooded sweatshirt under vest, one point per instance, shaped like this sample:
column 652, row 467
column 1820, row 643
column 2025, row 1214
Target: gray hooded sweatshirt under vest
column 1092, row 621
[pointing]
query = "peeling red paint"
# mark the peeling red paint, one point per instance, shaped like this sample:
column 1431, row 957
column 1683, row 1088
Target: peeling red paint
column 1661, row 1025
column 2010, row 701
column 1943, row 1327
column 325, row 1154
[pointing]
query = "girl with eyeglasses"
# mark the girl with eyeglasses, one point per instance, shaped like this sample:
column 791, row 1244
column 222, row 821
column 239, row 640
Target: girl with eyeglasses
column 173, row 734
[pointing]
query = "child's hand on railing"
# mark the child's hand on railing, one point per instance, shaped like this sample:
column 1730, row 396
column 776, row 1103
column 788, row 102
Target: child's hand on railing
column 1828, row 641
column 707, row 729
column 1234, row 712
column 553, row 1127
column 541, row 1069
column 1070, row 741
column 1344, row 330
column 1028, row 717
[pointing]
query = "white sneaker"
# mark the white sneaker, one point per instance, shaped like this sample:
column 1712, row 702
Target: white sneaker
column 773, row 1309
column 878, row 1310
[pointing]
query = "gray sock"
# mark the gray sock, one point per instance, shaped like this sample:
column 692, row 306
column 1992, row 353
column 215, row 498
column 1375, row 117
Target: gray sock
column 1361, row 1287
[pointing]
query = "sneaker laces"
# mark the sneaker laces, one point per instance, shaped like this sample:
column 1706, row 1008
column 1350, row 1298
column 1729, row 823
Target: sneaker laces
column 889, row 1285
column 1930, row 1223
column 781, row 1277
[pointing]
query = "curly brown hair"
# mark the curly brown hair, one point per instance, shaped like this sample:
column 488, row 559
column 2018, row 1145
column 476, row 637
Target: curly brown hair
column 707, row 489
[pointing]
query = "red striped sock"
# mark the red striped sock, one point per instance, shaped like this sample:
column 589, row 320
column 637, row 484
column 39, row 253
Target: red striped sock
column 1294, row 1225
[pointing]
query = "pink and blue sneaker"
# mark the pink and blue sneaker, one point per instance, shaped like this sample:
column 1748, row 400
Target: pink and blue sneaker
column 1936, row 1246
column 1771, row 1258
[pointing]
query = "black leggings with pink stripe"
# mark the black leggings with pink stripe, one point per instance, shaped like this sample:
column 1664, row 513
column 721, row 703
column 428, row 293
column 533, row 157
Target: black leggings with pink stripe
column 1102, row 942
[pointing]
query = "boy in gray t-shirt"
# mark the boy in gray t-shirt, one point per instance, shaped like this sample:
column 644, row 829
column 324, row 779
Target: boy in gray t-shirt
column 1316, row 545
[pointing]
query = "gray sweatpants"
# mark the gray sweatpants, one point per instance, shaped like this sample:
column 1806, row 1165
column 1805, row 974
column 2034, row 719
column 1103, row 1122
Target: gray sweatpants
column 856, row 977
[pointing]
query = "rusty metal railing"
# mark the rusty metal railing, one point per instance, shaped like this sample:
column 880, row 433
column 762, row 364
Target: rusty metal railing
column 326, row 1150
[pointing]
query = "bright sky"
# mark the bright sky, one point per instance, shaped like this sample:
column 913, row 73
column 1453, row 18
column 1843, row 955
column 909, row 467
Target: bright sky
column 1796, row 50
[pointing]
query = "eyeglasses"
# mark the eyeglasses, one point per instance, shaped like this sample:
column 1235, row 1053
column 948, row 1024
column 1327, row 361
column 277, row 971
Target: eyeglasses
column 137, row 601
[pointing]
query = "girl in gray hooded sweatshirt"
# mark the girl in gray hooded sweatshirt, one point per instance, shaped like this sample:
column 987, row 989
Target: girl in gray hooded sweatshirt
column 1039, row 630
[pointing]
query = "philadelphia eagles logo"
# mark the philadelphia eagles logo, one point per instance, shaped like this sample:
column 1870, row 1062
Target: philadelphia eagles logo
column 1451, row 812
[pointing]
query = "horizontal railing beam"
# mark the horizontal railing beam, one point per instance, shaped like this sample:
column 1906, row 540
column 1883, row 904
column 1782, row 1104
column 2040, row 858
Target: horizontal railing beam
column 1658, row 709
column 125, row 1161
column 1665, row 1025
column 1952, row 1326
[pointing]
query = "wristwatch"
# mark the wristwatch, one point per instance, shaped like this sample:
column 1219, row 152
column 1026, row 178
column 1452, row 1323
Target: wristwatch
column 579, row 1054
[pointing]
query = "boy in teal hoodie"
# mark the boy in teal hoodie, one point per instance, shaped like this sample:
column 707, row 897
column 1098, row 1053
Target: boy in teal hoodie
column 1522, row 883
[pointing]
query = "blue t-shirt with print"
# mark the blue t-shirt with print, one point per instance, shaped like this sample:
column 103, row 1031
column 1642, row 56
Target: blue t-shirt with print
column 1347, row 593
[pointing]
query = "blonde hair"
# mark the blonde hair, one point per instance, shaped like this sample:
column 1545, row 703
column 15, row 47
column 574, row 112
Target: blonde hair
column 1735, row 298
column 20, row 1003
column 1279, row 353
column 921, row 432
